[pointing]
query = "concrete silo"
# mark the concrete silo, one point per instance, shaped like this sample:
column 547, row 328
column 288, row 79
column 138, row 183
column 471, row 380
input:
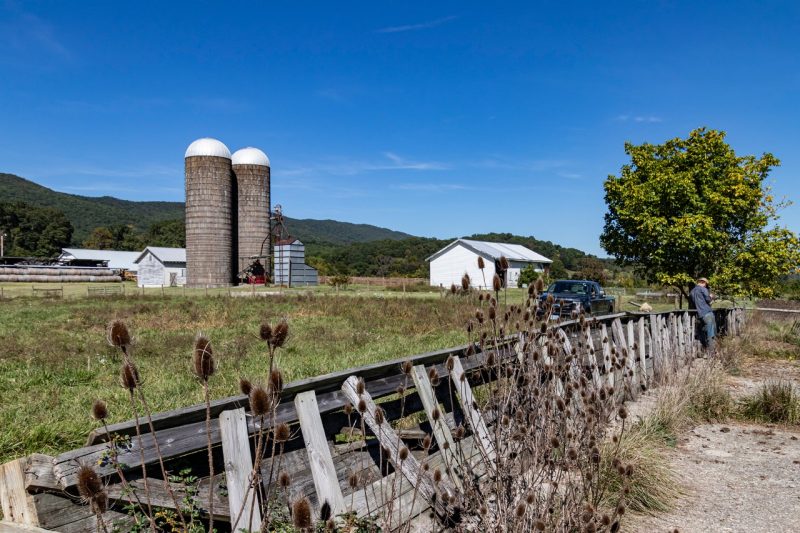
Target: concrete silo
column 251, row 172
column 210, row 208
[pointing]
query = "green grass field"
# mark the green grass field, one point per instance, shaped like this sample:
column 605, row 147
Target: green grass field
column 54, row 358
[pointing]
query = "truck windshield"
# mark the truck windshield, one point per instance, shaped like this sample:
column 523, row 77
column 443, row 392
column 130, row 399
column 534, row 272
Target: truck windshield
column 569, row 286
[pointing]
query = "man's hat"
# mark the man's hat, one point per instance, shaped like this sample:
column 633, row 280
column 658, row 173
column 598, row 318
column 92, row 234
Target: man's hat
column 704, row 280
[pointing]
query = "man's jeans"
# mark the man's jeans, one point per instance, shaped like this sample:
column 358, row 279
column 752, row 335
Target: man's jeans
column 710, row 323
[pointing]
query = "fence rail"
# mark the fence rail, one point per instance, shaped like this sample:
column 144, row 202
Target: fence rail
column 39, row 490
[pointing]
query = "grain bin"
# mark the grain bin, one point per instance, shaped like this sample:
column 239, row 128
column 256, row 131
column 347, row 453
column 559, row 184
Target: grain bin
column 210, row 209
column 251, row 172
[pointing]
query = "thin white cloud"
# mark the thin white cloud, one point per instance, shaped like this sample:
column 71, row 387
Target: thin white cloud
column 419, row 26
column 355, row 167
column 648, row 119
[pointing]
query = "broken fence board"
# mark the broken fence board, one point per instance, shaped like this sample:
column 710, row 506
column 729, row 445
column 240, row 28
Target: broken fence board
column 469, row 406
column 326, row 481
column 239, row 470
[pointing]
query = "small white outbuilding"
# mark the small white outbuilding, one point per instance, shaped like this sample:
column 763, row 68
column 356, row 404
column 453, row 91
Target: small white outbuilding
column 460, row 257
column 162, row 267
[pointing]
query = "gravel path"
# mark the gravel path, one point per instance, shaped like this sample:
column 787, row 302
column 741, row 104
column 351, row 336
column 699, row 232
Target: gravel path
column 736, row 477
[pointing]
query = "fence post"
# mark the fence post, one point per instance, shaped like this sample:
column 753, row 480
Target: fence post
column 238, row 469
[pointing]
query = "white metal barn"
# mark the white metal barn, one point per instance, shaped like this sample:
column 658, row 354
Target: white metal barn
column 116, row 260
column 162, row 267
column 460, row 257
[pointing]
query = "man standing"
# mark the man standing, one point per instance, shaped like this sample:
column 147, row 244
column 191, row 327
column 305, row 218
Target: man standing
column 701, row 299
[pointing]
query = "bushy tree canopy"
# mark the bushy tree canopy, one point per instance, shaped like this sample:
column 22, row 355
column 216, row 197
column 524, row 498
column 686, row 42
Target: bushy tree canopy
column 692, row 207
column 34, row 231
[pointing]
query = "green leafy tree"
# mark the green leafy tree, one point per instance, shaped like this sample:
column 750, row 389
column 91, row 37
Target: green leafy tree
column 167, row 233
column 593, row 269
column 34, row 231
column 557, row 270
column 692, row 207
column 528, row 276
column 100, row 239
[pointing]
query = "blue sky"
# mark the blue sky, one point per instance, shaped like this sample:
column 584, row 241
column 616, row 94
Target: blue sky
column 437, row 118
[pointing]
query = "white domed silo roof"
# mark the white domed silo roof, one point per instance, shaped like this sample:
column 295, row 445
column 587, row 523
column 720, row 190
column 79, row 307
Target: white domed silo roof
column 208, row 147
column 250, row 156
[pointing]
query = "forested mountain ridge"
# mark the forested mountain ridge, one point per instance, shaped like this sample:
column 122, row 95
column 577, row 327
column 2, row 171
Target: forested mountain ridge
column 87, row 213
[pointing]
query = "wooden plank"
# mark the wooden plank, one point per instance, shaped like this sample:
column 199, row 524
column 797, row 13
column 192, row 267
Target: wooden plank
column 592, row 354
column 239, row 470
column 606, row 344
column 469, row 406
column 409, row 466
column 14, row 500
column 642, row 350
column 12, row 527
column 319, row 455
column 39, row 473
column 442, row 434
column 655, row 347
column 159, row 497
column 632, row 356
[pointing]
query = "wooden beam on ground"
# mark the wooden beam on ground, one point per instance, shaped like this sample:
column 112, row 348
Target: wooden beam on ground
column 13, row 527
column 319, row 454
column 592, row 357
column 468, row 405
column 642, row 350
column 239, row 470
column 444, row 439
column 606, row 343
column 14, row 500
column 409, row 466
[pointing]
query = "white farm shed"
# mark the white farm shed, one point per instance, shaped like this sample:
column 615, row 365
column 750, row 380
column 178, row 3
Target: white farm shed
column 162, row 267
column 115, row 260
column 460, row 257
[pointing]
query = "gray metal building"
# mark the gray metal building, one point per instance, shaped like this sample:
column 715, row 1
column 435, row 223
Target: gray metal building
column 290, row 265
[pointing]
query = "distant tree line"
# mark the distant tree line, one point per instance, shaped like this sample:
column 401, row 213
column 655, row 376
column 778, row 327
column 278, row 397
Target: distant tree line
column 43, row 231
column 33, row 231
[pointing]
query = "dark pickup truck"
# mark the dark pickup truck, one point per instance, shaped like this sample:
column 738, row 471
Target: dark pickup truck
column 572, row 295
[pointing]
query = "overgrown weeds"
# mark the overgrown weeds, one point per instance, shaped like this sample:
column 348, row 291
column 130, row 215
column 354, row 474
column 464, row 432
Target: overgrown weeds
column 776, row 402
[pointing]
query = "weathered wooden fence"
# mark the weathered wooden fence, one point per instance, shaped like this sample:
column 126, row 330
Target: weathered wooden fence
column 40, row 491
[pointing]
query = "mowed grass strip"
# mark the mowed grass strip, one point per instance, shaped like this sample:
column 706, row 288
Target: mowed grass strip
column 54, row 358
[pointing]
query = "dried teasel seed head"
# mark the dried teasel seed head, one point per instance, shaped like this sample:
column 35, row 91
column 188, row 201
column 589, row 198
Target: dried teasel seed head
column 459, row 433
column 89, row 483
column 379, row 418
column 100, row 503
column 279, row 334
column 437, row 475
column 330, row 525
column 245, row 386
column 406, row 367
column 265, row 332
column 426, row 442
column 572, row 453
column 436, row 414
column 497, row 283
column 276, row 381
column 520, row 510
column 352, row 480
column 99, row 410
column 260, row 402
column 403, row 453
column 118, row 334
column 629, row 470
column 348, row 408
column 360, row 386
column 539, row 525
column 362, row 406
column 605, row 520
column 453, row 288
column 203, row 358
column 282, row 432
column 301, row 514
column 622, row 412
column 491, row 359
column 451, row 361
column 492, row 313
column 465, row 282
column 481, row 265
column 284, row 480
column 554, row 442
column 503, row 263
column 129, row 376
column 325, row 511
